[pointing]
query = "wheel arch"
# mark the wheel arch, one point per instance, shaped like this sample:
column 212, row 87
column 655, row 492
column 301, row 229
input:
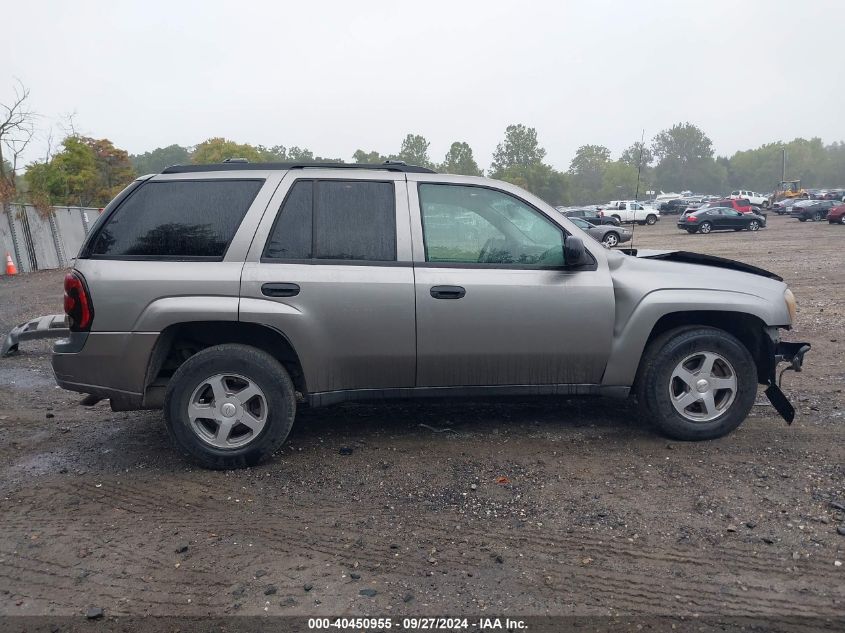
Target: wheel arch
column 744, row 320
column 179, row 341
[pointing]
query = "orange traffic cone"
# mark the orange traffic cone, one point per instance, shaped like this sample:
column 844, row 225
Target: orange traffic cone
column 10, row 265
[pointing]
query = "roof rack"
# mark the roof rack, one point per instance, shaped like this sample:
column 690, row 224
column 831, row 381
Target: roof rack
column 237, row 164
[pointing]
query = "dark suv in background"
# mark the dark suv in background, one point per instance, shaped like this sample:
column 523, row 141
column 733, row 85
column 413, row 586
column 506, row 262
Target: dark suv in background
column 815, row 210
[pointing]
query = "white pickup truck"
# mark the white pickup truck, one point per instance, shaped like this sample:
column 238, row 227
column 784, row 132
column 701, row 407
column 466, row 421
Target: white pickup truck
column 757, row 199
column 631, row 211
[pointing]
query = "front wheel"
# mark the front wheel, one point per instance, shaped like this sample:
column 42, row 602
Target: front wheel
column 651, row 219
column 754, row 225
column 610, row 239
column 230, row 406
column 696, row 383
column 705, row 228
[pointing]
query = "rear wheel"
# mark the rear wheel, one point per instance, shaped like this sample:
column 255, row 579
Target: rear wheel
column 705, row 228
column 819, row 216
column 610, row 239
column 696, row 383
column 230, row 406
column 651, row 219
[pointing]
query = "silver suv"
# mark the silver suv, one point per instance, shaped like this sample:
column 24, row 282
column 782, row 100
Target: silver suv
column 231, row 294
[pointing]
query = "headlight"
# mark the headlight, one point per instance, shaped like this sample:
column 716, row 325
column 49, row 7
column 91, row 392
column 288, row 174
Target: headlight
column 791, row 305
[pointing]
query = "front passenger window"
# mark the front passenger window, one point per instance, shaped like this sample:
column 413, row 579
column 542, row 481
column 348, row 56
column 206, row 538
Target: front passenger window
column 476, row 225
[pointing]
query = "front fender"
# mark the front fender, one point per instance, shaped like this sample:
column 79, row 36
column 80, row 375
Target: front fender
column 634, row 325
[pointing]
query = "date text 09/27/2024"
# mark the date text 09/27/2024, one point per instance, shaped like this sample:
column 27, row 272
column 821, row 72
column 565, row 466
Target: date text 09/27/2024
column 418, row 624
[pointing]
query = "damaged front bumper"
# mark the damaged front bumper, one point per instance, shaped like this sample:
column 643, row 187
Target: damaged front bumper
column 783, row 352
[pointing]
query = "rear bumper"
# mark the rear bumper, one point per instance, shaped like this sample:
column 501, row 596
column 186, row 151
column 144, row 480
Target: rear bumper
column 104, row 364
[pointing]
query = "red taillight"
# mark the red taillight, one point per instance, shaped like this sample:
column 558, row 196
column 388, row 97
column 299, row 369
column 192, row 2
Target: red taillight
column 78, row 306
column 690, row 218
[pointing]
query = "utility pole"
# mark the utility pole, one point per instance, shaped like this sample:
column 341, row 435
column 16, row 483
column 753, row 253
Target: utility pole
column 783, row 166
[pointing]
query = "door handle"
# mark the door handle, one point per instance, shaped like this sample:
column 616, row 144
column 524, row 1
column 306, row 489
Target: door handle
column 280, row 290
column 447, row 292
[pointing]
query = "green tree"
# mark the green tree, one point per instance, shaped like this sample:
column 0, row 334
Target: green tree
column 540, row 179
column 156, row 160
column 218, row 149
column 414, row 151
column 368, row 158
column 460, row 160
column 587, row 170
column 87, row 172
column 685, row 160
column 636, row 152
column 519, row 149
column 619, row 182
column 683, row 142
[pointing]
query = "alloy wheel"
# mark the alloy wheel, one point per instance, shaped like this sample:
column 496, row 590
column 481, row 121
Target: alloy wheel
column 703, row 386
column 227, row 411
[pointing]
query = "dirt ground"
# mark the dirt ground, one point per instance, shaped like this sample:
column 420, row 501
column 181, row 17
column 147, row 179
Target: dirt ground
column 598, row 514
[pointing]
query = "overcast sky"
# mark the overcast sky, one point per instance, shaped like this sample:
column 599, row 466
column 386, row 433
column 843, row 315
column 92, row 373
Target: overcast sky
column 337, row 76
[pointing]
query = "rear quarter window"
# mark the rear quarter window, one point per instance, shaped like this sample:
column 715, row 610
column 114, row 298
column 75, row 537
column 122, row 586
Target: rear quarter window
column 176, row 219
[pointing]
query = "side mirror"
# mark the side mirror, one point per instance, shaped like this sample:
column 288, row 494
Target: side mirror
column 574, row 252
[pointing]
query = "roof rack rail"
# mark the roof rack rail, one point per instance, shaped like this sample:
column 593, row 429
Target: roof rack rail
column 243, row 165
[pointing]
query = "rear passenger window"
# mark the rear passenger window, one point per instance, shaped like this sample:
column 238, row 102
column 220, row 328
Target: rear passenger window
column 336, row 220
column 177, row 219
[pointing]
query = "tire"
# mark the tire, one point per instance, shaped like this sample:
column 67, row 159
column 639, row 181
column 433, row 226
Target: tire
column 610, row 239
column 754, row 225
column 661, row 391
column 818, row 217
column 228, row 367
column 651, row 219
column 705, row 228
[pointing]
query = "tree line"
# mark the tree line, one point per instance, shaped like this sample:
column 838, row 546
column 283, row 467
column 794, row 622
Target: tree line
column 86, row 171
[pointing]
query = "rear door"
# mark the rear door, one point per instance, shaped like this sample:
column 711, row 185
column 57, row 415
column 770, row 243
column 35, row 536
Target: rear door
column 330, row 267
column 495, row 303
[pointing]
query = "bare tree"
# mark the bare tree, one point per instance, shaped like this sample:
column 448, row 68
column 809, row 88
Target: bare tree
column 17, row 128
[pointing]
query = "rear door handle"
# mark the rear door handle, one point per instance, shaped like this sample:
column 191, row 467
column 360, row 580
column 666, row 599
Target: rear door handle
column 447, row 292
column 280, row 290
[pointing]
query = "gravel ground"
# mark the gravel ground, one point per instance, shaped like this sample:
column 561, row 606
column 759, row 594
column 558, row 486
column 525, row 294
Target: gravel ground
column 525, row 507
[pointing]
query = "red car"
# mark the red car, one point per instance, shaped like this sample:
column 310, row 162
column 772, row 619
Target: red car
column 836, row 215
column 743, row 205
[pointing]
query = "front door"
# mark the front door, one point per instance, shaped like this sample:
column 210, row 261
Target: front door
column 496, row 304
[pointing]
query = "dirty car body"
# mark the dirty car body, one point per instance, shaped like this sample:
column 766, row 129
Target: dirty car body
column 468, row 287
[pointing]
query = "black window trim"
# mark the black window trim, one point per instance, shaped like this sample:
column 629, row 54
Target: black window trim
column 92, row 238
column 323, row 261
column 482, row 265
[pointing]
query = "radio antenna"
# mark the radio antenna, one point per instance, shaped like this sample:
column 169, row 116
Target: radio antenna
column 637, row 194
